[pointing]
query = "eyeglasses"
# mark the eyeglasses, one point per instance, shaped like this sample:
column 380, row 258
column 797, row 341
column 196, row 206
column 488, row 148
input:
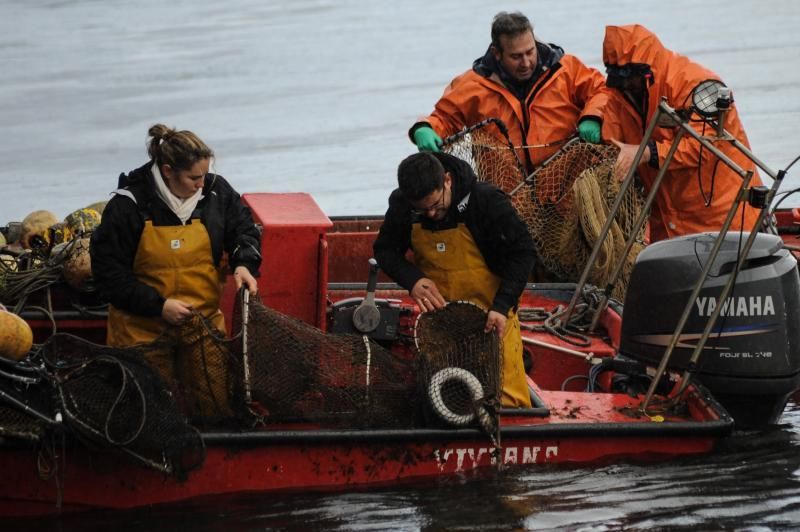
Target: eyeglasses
column 438, row 204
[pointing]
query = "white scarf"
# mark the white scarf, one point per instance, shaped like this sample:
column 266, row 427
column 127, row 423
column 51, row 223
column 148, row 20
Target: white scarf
column 183, row 208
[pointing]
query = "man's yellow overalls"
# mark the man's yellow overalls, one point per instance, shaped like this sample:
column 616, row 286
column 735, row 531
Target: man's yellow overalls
column 452, row 260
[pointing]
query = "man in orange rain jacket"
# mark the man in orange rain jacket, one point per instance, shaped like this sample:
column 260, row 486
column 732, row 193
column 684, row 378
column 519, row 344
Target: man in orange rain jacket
column 697, row 191
column 539, row 92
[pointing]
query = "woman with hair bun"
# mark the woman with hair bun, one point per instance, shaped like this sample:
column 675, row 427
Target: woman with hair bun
column 157, row 256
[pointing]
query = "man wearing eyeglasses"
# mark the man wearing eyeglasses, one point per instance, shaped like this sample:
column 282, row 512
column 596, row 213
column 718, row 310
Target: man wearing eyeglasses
column 469, row 244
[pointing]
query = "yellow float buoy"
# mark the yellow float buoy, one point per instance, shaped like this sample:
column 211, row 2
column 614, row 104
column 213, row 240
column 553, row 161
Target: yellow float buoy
column 98, row 206
column 58, row 233
column 16, row 336
column 82, row 221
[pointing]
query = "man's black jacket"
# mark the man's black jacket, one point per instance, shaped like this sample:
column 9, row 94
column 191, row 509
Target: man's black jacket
column 500, row 234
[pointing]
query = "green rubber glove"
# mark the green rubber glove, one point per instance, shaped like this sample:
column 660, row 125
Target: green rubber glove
column 426, row 139
column 589, row 131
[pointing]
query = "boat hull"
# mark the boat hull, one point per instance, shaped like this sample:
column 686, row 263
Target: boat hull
column 323, row 460
column 577, row 430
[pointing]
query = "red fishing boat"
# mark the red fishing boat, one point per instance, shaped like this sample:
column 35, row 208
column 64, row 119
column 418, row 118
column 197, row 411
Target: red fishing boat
column 597, row 395
column 318, row 277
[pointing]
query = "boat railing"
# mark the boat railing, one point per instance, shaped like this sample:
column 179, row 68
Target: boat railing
column 758, row 197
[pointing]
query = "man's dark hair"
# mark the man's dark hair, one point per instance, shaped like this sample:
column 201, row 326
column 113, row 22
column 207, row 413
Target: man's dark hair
column 420, row 174
column 510, row 25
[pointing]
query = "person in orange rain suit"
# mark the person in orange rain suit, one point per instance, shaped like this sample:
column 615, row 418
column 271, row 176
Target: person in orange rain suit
column 539, row 92
column 697, row 191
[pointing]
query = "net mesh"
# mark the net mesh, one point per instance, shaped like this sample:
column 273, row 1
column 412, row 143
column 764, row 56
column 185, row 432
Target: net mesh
column 564, row 203
column 16, row 423
column 461, row 366
column 22, row 397
column 486, row 148
column 105, row 397
column 112, row 398
column 298, row 373
column 149, row 400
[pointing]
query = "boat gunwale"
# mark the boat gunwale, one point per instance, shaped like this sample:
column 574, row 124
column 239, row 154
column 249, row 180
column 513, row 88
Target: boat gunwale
column 717, row 427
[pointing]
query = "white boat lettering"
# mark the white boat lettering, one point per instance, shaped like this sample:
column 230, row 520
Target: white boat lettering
column 529, row 454
column 481, row 451
column 511, row 455
column 460, row 457
column 737, row 306
column 471, row 457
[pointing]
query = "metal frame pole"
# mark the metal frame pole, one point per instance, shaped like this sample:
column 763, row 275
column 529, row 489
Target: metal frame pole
column 750, row 155
column 640, row 221
column 695, row 292
column 248, row 395
column 747, row 175
column 726, row 290
column 626, row 183
column 707, row 143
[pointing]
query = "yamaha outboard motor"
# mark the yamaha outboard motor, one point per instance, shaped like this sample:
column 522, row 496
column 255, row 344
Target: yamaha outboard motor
column 751, row 361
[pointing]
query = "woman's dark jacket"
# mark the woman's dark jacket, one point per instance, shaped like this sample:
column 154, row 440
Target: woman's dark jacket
column 114, row 243
column 500, row 234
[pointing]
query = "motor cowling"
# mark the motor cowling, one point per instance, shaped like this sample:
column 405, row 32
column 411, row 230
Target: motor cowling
column 751, row 361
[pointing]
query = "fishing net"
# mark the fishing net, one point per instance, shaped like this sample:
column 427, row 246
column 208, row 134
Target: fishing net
column 485, row 146
column 571, row 201
column 107, row 398
column 111, row 397
column 564, row 203
column 295, row 372
column 25, row 403
column 461, row 366
column 17, row 419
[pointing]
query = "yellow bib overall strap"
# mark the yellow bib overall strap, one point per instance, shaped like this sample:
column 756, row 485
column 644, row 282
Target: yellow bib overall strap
column 452, row 260
column 177, row 261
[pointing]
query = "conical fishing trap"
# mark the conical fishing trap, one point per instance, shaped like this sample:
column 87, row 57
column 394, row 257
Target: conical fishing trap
column 564, row 202
column 460, row 364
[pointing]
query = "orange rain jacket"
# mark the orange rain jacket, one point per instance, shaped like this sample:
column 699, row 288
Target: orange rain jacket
column 696, row 194
column 566, row 91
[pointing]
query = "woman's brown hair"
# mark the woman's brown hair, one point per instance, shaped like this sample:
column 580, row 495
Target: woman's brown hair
column 179, row 149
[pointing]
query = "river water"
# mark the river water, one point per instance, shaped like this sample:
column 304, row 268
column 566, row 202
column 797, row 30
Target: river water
column 317, row 96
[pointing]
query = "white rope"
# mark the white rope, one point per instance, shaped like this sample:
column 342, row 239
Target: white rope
column 369, row 361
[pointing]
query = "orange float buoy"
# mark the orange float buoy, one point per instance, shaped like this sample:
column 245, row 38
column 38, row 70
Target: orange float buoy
column 16, row 336
column 35, row 227
column 78, row 266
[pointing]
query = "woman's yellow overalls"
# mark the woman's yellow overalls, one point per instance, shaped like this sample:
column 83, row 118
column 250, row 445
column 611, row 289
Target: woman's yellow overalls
column 177, row 261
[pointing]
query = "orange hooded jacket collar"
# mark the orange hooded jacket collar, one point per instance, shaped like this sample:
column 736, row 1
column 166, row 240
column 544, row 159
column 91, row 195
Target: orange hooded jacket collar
column 696, row 193
column 674, row 76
